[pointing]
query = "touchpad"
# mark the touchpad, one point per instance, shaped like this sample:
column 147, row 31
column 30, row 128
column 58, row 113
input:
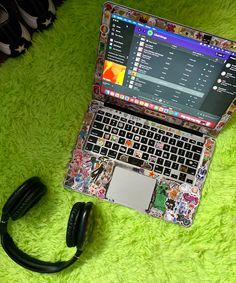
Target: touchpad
column 131, row 189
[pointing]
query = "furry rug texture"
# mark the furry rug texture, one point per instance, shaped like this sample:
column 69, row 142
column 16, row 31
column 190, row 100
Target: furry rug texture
column 44, row 95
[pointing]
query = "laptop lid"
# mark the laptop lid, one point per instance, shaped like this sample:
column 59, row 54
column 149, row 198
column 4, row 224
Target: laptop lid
column 163, row 69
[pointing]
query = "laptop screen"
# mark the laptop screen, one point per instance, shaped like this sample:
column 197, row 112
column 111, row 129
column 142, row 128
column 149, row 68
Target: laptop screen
column 167, row 72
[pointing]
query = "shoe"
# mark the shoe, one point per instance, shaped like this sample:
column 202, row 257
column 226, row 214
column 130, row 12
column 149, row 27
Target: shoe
column 14, row 37
column 38, row 14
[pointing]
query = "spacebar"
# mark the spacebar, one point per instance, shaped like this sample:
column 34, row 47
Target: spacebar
column 130, row 159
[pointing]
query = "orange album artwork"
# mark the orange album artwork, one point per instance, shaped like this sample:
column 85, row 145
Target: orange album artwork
column 113, row 72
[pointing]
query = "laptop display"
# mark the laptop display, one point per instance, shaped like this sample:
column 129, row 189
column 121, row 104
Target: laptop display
column 169, row 73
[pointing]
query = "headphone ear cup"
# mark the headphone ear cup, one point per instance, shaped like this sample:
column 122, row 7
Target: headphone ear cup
column 85, row 225
column 15, row 200
column 31, row 197
column 73, row 224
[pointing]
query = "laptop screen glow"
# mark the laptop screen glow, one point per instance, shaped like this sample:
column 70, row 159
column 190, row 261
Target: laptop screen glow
column 167, row 72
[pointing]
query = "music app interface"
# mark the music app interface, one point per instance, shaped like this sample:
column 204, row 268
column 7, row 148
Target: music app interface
column 167, row 72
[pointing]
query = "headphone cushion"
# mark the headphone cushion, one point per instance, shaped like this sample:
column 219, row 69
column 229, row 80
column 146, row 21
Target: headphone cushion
column 32, row 195
column 73, row 224
column 19, row 193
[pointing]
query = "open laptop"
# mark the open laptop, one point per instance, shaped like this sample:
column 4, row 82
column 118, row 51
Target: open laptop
column 162, row 93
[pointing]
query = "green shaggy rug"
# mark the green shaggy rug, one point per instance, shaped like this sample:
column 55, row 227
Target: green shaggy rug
column 44, row 95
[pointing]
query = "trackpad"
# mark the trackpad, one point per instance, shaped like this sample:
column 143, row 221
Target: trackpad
column 131, row 189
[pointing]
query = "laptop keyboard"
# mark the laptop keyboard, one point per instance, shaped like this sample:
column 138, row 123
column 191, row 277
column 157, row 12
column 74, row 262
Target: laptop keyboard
column 128, row 138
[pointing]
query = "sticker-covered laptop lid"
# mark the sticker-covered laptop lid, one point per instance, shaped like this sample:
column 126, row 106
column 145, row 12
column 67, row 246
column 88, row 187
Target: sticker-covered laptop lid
column 163, row 69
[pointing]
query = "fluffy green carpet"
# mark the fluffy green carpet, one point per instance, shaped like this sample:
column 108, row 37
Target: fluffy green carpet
column 44, row 95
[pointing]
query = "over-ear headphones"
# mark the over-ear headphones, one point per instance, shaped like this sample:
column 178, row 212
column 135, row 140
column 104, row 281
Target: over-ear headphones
column 78, row 229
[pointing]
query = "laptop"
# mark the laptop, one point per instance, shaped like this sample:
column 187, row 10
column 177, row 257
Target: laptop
column 162, row 93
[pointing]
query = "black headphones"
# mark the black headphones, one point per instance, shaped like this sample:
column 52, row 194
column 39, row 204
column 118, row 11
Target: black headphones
column 78, row 229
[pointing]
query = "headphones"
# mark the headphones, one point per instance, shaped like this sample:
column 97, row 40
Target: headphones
column 78, row 230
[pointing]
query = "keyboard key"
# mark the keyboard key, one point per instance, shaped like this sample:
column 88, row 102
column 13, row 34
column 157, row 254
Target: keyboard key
column 92, row 139
column 135, row 130
column 96, row 149
column 137, row 138
column 191, row 163
column 113, row 123
column 184, row 139
column 131, row 122
column 187, row 146
column 114, row 131
column 145, row 156
column 189, row 154
column 179, row 144
column 173, row 157
column 112, row 153
column 153, row 129
column 108, row 144
column 158, row 152
column 144, row 140
column 174, row 176
column 122, row 133
column 151, row 150
column 157, row 137
column 160, row 161
column 165, row 155
column 196, row 157
column 143, row 147
column 103, row 151
column 107, row 136
column 146, row 127
column 89, row 146
column 181, row 152
column 150, row 134
column 182, row 177
column 106, row 120
column 135, row 161
column 99, row 118
column 172, row 141
column 183, row 168
column 169, row 134
column 167, row 172
column 197, row 149
column 121, row 141
column 158, row 169
column 136, row 145
column 167, row 163
column 128, row 127
column 142, row 132
column 193, row 141
column 151, row 142
column 200, row 143
column 97, row 133
column 108, row 114
column 189, row 181
column 175, row 166
column 181, row 160
column 129, row 136
column 130, row 151
column 98, row 125
column 138, row 124
column 165, row 139
column 107, row 128
column 191, row 171
column 173, row 149
column 116, row 117
column 166, row 147
column 123, row 119
column 120, row 125
column 123, row 149
column 177, row 136
column 161, row 132
column 115, row 146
